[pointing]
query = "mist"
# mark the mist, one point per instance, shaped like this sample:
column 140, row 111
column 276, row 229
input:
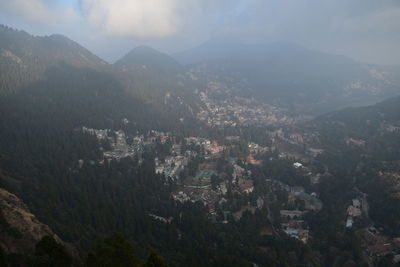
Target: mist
column 368, row 31
column 156, row 133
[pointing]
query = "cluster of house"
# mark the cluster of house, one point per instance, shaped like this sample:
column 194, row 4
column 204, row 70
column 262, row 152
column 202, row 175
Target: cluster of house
column 353, row 211
column 311, row 202
column 255, row 148
column 181, row 197
column 204, row 194
column 161, row 219
column 119, row 145
column 241, row 183
column 197, row 188
column 117, row 140
column 354, row 142
column 293, row 136
column 314, row 177
column 377, row 246
column 200, row 188
column 239, row 111
column 211, row 148
column 292, row 222
column 100, row 133
column 309, row 140
column 172, row 165
column 120, row 148
column 392, row 128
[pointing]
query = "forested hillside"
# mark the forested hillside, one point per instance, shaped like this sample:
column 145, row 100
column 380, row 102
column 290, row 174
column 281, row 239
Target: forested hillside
column 26, row 58
column 364, row 143
column 374, row 127
column 58, row 169
column 159, row 80
column 42, row 143
column 147, row 75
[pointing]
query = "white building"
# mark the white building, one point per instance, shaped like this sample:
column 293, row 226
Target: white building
column 297, row 165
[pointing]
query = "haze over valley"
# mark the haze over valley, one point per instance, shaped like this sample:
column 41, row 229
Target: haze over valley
column 238, row 147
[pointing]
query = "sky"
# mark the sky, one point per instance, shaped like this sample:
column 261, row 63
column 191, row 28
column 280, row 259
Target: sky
column 365, row 30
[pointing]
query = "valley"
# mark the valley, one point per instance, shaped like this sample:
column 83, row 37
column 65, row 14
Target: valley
column 270, row 155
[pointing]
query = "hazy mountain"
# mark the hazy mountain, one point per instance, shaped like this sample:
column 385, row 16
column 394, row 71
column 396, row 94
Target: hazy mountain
column 210, row 50
column 307, row 80
column 387, row 111
column 25, row 58
column 358, row 135
column 376, row 124
column 157, row 79
column 144, row 57
column 82, row 143
column 362, row 145
column 151, row 80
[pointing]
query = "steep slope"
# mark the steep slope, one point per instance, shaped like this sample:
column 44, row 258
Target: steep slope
column 306, row 80
column 144, row 57
column 25, row 58
column 363, row 145
column 41, row 141
column 373, row 130
column 145, row 73
column 211, row 50
column 159, row 80
column 20, row 229
column 155, row 93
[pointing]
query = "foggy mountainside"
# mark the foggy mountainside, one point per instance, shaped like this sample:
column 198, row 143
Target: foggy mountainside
column 307, row 81
column 226, row 154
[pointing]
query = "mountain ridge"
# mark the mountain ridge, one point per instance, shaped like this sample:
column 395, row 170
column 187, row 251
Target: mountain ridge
column 145, row 56
column 26, row 60
column 310, row 81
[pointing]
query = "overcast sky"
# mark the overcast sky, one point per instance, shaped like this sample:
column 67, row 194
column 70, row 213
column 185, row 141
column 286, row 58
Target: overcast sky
column 366, row 30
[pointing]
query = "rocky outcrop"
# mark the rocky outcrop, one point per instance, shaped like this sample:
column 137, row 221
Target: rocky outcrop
column 20, row 230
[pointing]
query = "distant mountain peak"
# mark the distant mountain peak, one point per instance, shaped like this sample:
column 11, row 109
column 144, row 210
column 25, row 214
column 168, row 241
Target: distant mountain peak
column 59, row 37
column 25, row 58
column 144, row 49
column 219, row 48
column 151, row 58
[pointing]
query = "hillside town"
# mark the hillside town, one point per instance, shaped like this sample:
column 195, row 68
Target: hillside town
column 233, row 109
column 202, row 170
column 240, row 111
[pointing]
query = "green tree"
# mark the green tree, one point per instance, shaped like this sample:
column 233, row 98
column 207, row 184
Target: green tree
column 155, row 260
column 50, row 253
column 113, row 251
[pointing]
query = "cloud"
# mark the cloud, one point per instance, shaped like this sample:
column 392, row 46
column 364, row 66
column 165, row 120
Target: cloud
column 384, row 22
column 37, row 11
column 142, row 18
column 366, row 29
